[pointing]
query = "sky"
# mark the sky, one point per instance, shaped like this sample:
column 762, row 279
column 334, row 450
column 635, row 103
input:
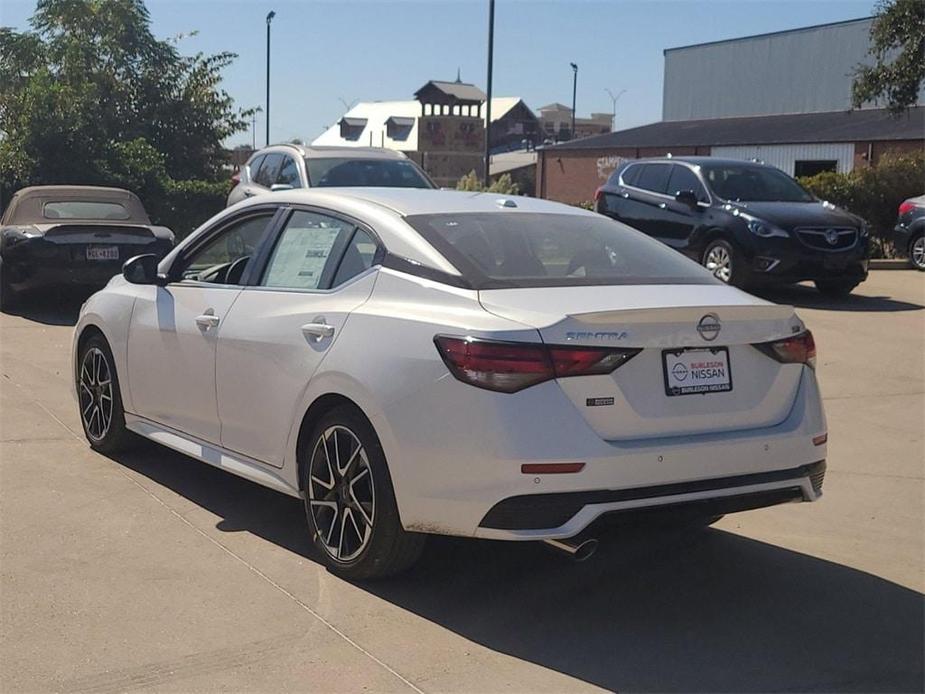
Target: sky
column 327, row 52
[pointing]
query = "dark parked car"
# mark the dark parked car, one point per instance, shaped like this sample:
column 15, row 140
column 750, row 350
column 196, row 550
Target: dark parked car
column 53, row 236
column 748, row 223
column 909, row 233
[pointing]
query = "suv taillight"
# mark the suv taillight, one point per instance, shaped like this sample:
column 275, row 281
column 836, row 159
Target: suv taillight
column 598, row 194
column 799, row 349
column 511, row 366
column 906, row 207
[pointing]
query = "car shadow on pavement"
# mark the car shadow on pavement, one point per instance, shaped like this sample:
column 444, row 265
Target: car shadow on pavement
column 651, row 611
column 803, row 296
column 52, row 307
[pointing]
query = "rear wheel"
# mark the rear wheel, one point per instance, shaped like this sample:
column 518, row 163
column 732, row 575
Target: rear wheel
column 100, row 402
column 349, row 501
column 720, row 258
column 917, row 252
column 836, row 288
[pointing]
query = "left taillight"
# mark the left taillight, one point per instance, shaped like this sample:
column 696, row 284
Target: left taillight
column 236, row 178
column 905, row 207
column 798, row 349
column 507, row 367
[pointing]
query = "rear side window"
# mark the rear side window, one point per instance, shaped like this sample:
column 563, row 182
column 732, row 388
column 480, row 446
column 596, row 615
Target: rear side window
column 254, row 166
column 306, row 251
column 521, row 249
column 289, row 174
column 654, row 177
column 631, row 174
column 682, row 178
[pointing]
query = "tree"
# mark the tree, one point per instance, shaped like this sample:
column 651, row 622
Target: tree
column 897, row 43
column 91, row 96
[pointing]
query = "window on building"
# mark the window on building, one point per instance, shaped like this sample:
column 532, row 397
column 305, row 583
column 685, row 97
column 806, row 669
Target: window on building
column 811, row 167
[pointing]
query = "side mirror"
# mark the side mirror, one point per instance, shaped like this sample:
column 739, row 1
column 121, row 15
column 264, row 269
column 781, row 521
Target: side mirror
column 142, row 269
column 280, row 186
column 686, row 197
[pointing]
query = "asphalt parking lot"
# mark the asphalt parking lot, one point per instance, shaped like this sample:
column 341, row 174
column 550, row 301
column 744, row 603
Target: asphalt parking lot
column 151, row 571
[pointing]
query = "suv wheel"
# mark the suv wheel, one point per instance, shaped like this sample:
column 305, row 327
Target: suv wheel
column 720, row 258
column 836, row 288
column 349, row 502
column 917, row 252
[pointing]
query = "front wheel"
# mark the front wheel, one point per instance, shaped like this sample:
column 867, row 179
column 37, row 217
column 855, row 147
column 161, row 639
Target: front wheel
column 836, row 288
column 917, row 253
column 720, row 258
column 349, row 501
column 100, row 401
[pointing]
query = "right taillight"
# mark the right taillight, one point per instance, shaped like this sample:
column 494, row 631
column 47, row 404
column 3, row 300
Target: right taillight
column 598, row 194
column 511, row 366
column 906, row 207
column 798, row 349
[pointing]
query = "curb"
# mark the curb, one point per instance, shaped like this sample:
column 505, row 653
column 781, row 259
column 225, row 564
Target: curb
column 890, row 264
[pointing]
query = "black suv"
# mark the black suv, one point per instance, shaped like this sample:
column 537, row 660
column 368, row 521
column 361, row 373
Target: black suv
column 909, row 234
column 748, row 223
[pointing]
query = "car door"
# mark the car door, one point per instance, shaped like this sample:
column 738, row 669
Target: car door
column 174, row 329
column 681, row 219
column 649, row 196
column 317, row 270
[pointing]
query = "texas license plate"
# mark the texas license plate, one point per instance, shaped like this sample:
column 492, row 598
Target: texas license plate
column 697, row 370
column 103, row 253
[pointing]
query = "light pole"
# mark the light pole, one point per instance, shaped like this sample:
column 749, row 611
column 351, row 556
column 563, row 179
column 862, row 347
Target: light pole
column 574, row 94
column 491, row 45
column 254, row 127
column 613, row 111
column 270, row 17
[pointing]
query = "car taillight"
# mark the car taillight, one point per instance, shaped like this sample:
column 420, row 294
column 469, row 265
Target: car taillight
column 799, row 349
column 511, row 366
column 906, row 207
column 236, row 178
column 598, row 194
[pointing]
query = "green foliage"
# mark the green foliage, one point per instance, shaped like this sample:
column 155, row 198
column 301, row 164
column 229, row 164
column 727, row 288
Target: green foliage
column 90, row 96
column 184, row 205
column 585, row 205
column 503, row 184
column 897, row 40
column 873, row 193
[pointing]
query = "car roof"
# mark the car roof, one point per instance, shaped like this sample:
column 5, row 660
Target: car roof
column 332, row 152
column 413, row 201
column 27, row 205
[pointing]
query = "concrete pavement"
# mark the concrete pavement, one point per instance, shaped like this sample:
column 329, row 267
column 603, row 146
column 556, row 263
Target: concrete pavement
column 151, row 571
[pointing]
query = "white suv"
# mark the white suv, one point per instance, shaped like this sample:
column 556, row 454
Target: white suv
column 289, row 166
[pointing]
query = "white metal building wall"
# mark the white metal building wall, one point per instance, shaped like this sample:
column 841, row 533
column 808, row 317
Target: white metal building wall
column 784, row 156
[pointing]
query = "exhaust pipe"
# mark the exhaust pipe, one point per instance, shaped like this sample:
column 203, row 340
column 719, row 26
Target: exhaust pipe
column 576, row 550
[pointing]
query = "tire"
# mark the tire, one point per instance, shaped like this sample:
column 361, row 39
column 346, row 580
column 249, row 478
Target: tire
column 724, row 261
column 98, row 395
column 917, row 252
column 836, row 288
column 345, row 476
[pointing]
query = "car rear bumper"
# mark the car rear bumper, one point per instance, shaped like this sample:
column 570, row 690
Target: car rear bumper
column 455, row 457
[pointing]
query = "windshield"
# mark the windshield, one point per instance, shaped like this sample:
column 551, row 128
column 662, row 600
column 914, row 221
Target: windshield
column 388, row 173
column 525, row 249
column 747, row 183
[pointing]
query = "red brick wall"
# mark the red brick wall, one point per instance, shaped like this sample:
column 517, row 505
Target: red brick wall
column 572, row 176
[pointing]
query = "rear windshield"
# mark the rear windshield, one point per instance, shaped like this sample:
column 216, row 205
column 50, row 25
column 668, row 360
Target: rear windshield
column 524, row 249
column 388, row 173
column 84, row 209
column 744, row 183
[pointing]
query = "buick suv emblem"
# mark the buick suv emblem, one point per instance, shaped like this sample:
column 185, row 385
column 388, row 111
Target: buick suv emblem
column 831, row 236
column 709, row 327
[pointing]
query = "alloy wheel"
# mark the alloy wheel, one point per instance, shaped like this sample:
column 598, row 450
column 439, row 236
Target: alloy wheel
column 95, row 387
column 918, row 252
column 719, row 262
column 341, row 494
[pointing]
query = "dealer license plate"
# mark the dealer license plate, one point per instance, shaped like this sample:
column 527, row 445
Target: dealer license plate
column 103, row 253
column 689, row 371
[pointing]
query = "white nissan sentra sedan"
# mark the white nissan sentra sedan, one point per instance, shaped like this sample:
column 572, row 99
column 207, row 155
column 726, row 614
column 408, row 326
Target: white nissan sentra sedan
column 411, row 362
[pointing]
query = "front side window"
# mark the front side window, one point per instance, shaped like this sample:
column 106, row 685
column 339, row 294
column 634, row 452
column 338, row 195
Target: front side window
column 84, row 209
column 682, row 178
column 307, row 251
column 289, row 173
column 266, row 175
column 750, row 183
column 389, row 173
column 500, row 250
column 224, row 259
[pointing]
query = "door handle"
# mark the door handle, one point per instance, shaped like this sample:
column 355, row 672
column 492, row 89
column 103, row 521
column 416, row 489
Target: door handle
column 207, row 320
column 249, row 194
column 318, row 330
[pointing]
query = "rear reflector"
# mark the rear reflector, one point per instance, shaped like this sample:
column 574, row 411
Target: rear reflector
column 507, row 367
column 551, row 468
column 799, row 349
column 821, row 439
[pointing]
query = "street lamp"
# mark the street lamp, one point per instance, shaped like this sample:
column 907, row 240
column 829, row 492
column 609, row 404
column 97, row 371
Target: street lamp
column 254, row 127
column 574, row 94
column 613, row 110
column 491, row 45
column 270, row 17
